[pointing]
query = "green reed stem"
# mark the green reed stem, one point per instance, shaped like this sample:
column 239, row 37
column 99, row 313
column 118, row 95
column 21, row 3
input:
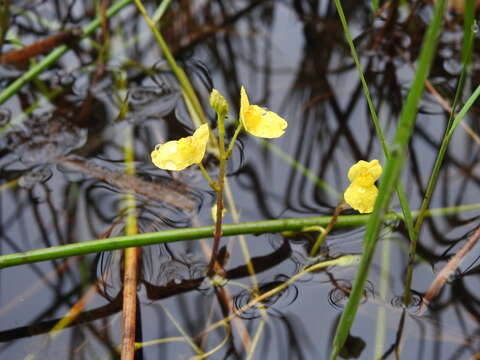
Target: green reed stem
column 390, row 177
column 197, row 113
column 162, row 8
column 402, row 197
column 302, row 169
column 432, row 182
column 383, row 290
column 51, row 58
column 176, row 235
column 452, row 124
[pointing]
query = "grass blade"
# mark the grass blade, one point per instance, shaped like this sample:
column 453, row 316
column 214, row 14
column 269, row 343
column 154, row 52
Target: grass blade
column 391, row 176
column 453, row 122
column 402, row 197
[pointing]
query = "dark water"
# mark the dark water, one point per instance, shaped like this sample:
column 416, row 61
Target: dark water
column 62, row 152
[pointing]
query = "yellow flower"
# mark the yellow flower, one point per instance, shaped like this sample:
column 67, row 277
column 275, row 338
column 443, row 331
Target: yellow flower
column 258, row 121
column 362, row 192
column 179, row 154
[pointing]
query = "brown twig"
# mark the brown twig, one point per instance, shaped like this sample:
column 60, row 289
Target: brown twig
column 40, row 47
column 446, row 106
column 338, row 210
column 448, row 270
column 213, row 266
column 132, row 256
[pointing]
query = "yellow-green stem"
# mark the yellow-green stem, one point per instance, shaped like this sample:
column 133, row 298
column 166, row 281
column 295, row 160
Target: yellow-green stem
column 205, row 174
column 234, row 138
column 187, row 89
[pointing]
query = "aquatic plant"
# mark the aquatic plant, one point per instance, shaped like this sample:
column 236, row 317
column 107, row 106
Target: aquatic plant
column 101, row 184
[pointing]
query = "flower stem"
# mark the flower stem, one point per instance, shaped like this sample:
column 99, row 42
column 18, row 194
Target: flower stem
column 219, row 189
column 205, row 174
column 234, row 138
column 323, row 234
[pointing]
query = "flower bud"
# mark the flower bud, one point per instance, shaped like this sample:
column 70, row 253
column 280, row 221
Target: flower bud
column 218, row 102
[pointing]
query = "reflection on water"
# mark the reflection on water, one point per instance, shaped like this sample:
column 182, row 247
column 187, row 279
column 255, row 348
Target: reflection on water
column 63, row 138
column 40, row 140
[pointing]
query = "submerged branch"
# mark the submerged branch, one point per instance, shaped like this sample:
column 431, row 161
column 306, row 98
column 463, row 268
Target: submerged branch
column 40, row 47
column 170, row 194
column 449, row 269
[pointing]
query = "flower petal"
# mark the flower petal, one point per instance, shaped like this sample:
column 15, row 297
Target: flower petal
column 258, row 121
column 178, row 154
column 362, row 192
column 365, row 173
column 263, row 123
column 361, row 198
column 244, row 105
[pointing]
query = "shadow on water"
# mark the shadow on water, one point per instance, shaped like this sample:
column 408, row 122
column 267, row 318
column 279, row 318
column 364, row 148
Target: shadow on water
column 63, row 180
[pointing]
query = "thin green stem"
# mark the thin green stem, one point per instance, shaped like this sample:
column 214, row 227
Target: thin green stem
column 383, row 290
column 234, row 138
column 302, row 169
column 176, row 235
column 390, row 177
column 188, row 339
column 453, row 122
column 162, row 8
column 402, row 197
column 205, row 174
column 189, row 94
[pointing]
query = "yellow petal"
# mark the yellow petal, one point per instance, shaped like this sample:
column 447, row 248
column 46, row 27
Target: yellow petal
column 365, row 173
column 244, row 104
column 179, row 154
column 361, row 198
column 258, row 121
column 362, row 193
